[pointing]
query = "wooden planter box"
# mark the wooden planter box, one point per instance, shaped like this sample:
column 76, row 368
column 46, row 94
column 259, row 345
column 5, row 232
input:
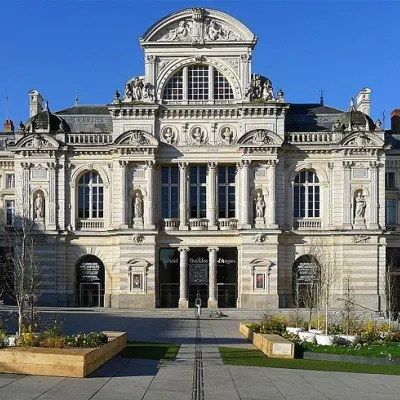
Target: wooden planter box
column 274, row 346
column 72, row 362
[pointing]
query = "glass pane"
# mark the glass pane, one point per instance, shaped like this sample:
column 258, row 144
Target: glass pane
column 174, row 202
column 221, row 175
column 164, row 175
column 174, row 175
column 203, row 174
column 165, row 202
column 231, row 174
column 193, row 175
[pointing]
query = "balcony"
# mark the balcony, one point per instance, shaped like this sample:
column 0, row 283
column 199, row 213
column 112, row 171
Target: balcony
column 227, row 224
column 171, row 224
column 89, row 224
column 89, row 139
column 307, row 224
column 198, row 224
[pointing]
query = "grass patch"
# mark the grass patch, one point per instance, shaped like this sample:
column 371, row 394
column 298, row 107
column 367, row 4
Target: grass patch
column 256, row 358
column 150, row 350
column 367, row 350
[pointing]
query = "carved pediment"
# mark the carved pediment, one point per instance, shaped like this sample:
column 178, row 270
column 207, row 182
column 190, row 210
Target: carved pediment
column 362, row 139
column 198, row 26
column 136, row 138
column 36, row 141
column 260, row 138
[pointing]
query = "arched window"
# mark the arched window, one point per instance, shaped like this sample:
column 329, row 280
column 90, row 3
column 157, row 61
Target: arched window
column 198, row 82
column 306, row 195
column 90, row 196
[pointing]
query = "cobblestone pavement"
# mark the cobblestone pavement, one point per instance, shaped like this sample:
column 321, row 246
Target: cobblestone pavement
column 197, row 373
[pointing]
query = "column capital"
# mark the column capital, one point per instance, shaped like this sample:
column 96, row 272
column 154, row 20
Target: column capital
column 182, row 165
column 347, row 164
column 373, row 164
column 272, row 163
column 150, row 164
column 212, row 248
column 123, row 163
column 212, row 165
column 245, row 163
column 183, row 249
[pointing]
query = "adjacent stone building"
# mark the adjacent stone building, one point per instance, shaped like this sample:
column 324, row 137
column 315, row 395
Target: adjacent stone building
column 199, row 180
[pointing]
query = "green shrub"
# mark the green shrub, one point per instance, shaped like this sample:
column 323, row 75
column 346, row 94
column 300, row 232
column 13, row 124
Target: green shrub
column 89, row 340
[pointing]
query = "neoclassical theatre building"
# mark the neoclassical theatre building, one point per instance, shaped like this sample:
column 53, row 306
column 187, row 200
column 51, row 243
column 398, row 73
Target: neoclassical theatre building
column 200, row 181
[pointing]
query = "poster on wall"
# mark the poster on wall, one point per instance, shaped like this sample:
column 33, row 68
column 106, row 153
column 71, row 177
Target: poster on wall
column 307, row 272
column 89, row 272
column 260, row 281
column 198, row 267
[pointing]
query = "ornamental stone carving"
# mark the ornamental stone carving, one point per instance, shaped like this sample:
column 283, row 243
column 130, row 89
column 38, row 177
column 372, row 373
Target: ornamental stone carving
column 136, row 138
column 169, row 135
column 137, row 89
column 259, row 138
column 198, row 136
column 260, row 87
column 227, row 135
column 200, row 29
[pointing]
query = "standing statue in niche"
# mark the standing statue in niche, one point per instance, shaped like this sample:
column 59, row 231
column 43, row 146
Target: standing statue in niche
column 360, row 205
column 260, row 205
column 138, row 206
column 39, row 207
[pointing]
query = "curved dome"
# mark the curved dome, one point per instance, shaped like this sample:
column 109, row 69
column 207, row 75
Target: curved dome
column 46, row 121
column 354, row 119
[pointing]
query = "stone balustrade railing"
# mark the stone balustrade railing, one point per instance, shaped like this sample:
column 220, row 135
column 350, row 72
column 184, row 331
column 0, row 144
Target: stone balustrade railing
column 171, row 224
column 198, row 224
column 307, row 224
column 86, row 224
column 311, row 137
column 89, row 138
column 227, row 224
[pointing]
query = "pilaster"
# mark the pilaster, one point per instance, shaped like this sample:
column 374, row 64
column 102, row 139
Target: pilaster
column 244, row 184
column 211, row 207
column 212, row 280
column 183, row 277
column 123, row 168
column 272, row 194
column 346, row 195
column 183, row 225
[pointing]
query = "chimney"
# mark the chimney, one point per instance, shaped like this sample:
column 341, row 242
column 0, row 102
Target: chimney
column 8, row 126
column 395, row 120
column 363, row 101
column 35, row 103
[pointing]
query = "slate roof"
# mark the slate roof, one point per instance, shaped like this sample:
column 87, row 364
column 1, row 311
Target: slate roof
column 88, row 118
column 393, row 139
column 311, row 117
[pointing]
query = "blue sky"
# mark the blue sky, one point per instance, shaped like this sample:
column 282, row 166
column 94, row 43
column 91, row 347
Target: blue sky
column 59, row 46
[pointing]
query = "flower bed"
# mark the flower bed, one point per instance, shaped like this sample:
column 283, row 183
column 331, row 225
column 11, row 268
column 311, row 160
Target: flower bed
column 77, row 362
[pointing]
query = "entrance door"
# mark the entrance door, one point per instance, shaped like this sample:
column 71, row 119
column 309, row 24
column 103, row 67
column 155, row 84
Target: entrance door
column 90, row 295
column 227, row 277
column 227, row 295
column 198, row 276
column 169, row 295
column 169, row 278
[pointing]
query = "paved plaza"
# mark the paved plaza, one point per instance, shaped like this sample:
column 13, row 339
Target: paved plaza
column 197, row 373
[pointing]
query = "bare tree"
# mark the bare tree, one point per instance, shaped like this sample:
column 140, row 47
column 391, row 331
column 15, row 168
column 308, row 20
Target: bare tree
column 392, row 284
column 21, row 276
column 348, row 309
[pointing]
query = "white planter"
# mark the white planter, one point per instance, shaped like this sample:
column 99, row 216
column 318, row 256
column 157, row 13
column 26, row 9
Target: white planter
column 11, row 341
column 316, row 331
column 325, row 340
column 292, row 330
column 307, row 336
column 349, row 339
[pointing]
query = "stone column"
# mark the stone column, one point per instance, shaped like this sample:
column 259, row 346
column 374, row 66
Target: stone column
column 330, row 193
column 272, row 195
column 212, row 278
column 150, row 195
column 374, row 206
column 211, row 207
column 183, row 277
column 20, row 208
column 347, row 211
column 51, row 207
column 183, row 226
column 244, row 184
column 123, row 168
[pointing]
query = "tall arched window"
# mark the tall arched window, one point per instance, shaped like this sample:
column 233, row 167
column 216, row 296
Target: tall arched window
column 90, row 196
column 198, row 82
column 306, row 195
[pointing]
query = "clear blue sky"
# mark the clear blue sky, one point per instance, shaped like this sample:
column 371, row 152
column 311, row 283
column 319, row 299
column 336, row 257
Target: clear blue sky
column 59, row 46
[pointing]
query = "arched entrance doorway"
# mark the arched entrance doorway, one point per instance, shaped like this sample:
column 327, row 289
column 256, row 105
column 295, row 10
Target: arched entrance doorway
column 392, row 282
column 306, row 281
column 90, row 282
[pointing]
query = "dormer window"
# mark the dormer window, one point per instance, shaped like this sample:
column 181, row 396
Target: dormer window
column 198, row 82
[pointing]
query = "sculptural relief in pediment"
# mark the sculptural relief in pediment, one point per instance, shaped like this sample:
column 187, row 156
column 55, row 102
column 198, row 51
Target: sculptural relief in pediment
column 199, row 28
column 136, row 138
column 360, row 140
column 259, row 137
column 38, row 142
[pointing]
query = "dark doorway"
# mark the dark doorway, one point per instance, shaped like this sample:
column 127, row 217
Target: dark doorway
column 90, row 277
column 169, row 277
column 227, row 277
column 306, row 281
column 6, row 276
column 198, row 276
column 392, row 283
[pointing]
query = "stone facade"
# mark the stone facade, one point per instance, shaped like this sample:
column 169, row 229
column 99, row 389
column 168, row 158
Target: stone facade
column 198, row 155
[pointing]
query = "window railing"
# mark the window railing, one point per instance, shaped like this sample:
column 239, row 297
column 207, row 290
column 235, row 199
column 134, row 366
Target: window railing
column 198, row 224
column 171, row 224
column 88, row 138
column 89, row 224
column 307, row 224
column 227, row 224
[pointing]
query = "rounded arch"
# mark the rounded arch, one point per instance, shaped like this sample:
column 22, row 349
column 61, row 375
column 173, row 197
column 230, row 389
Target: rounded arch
column 303, row 166
column 90, row 281
column 253, row 138
column 224, row 68
column 80, row 171
column 136, row 138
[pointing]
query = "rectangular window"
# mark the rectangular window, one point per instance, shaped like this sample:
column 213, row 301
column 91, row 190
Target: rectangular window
column 222, row 88
column 198, row 82
column 10, row 212
column 226, row 192
column 10, row 181
column 198, row 200
column 174, row 88
column 169, row 192
column 390, row 212
column 390, row 181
